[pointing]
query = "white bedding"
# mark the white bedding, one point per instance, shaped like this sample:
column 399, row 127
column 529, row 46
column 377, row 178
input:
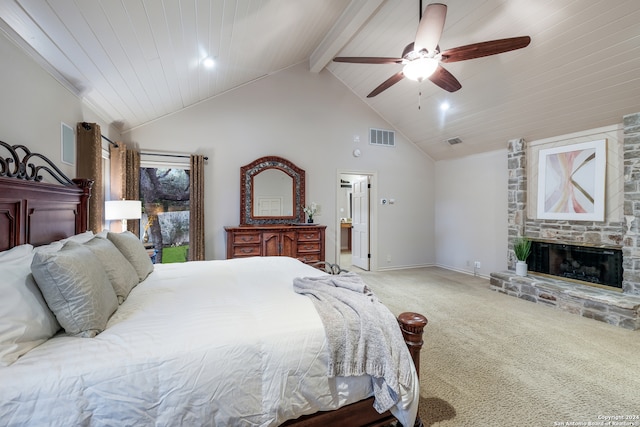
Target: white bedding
column 218, row 343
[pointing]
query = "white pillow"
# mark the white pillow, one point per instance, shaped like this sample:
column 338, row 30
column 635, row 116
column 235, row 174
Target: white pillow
column 16, row 253
column 76, row 288
column 134, row 251
column 25, row 318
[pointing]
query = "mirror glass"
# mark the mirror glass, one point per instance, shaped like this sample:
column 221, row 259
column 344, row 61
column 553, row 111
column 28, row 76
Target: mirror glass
column 272, row 194
column 272, row 191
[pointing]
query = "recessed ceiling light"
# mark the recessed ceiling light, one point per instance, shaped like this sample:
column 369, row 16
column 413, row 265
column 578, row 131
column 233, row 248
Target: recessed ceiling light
column 208, row 62
column 445, row 106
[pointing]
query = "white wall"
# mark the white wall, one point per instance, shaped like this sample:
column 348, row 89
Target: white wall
column 471, row 212
column 311, row 120
column 33, row 104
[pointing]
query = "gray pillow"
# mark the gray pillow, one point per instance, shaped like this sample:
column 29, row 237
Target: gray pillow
column 121, row 274
column 76, row 288
column 133, row 250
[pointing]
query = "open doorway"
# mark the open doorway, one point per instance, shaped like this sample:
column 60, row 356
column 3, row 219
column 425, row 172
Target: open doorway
column 354, row 221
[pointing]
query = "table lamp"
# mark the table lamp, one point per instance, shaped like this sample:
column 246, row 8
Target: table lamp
column 122, row 210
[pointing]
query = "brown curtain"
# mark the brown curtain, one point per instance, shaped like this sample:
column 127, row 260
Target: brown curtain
column 125, row 180
column 89, row 165
column 118, row 158
column 196, row 207
column 132, row 185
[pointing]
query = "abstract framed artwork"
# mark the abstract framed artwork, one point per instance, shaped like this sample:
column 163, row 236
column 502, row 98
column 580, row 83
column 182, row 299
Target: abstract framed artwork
column 571, row 181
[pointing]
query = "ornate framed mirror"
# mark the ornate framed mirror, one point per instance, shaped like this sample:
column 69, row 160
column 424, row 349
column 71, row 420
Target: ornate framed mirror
column 272, row 191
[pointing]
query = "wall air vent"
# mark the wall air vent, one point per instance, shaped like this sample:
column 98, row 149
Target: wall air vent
column 383, row 137
column 454, row 141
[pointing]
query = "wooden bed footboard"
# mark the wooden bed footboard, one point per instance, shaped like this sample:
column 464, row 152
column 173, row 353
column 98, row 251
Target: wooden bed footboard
column 362, row 414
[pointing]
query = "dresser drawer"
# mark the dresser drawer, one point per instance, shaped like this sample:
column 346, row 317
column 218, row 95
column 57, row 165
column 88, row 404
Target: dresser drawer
column 304, row 247
column 306, row 236
column 249, row 250
column 244, row 238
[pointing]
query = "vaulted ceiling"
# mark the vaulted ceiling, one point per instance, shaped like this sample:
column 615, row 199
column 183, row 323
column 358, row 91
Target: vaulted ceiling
column 134, row 61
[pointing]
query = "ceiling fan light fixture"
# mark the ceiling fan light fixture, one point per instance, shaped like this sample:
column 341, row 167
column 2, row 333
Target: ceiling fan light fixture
column 420, row 69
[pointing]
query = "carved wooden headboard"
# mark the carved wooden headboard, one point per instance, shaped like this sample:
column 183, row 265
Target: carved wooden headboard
column 32, row 211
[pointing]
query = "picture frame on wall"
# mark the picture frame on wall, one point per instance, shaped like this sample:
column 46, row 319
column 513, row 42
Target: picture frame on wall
column 571, row 182
column 68, row 144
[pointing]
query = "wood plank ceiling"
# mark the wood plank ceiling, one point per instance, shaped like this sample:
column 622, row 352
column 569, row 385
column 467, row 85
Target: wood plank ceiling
column 138, row 60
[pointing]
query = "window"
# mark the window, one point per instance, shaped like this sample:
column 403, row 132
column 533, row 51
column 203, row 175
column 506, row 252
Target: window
column 164, row 192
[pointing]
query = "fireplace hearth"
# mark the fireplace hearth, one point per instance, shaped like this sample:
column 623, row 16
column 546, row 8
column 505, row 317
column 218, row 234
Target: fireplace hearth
column 590, row 265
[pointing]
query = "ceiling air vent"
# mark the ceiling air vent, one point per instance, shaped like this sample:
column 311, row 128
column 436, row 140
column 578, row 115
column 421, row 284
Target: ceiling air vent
column 383, row 137
column 454, row 141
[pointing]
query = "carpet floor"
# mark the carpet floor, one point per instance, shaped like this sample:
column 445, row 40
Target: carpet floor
column 494, row 360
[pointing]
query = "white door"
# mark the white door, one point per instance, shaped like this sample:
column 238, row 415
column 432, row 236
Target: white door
column 360, row 223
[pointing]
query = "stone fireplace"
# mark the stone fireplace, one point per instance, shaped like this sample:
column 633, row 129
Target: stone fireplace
column 616, row 302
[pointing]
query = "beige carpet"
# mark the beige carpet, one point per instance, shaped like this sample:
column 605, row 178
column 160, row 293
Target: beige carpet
column 494, row 360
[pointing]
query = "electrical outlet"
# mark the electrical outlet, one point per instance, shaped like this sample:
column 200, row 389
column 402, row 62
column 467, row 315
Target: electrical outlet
column 318, row 209
column 388, row 257
column 476, row 264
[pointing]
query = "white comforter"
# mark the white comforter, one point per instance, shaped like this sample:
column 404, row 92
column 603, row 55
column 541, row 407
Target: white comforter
column 217, row 343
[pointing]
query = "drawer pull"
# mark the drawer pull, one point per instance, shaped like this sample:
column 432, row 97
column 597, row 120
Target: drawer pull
column 246, row 250
column 247, row 238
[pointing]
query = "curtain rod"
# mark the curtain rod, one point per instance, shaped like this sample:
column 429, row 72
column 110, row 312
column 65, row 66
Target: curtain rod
column 169, row 155
column 110, row 141
column 87, row 126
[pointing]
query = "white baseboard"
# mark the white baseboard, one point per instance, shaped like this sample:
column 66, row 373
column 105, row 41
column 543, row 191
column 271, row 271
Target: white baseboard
column 405, row 267
column 459, row 270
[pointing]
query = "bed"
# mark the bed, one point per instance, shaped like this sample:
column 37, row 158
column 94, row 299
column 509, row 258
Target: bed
column 217, row 343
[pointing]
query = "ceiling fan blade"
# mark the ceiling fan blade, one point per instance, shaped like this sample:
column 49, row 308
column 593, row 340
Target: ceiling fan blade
column 387, row 84
column 478, row 50
column 445, row 80
column 430, row 27
column 367, row 60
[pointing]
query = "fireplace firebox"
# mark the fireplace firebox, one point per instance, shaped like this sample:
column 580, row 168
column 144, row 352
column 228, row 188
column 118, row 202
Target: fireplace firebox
column 591, row 265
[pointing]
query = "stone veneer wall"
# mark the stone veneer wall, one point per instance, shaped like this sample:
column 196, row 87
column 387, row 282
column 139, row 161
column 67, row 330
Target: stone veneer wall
column 623, row 232
column 631, row 242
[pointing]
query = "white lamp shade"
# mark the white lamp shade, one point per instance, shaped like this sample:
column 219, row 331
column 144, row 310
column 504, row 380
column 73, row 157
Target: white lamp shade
column 122, row 209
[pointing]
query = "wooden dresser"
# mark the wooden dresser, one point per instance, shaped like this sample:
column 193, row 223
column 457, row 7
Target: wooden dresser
column 305, row 242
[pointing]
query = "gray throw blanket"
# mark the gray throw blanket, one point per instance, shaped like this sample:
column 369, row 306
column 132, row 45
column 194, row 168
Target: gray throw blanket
column 362, row 334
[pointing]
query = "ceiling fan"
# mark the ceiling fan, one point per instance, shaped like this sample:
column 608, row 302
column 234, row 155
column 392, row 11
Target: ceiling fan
column 422, row 58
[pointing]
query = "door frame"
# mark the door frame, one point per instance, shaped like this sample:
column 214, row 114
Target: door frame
column 373, row 215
